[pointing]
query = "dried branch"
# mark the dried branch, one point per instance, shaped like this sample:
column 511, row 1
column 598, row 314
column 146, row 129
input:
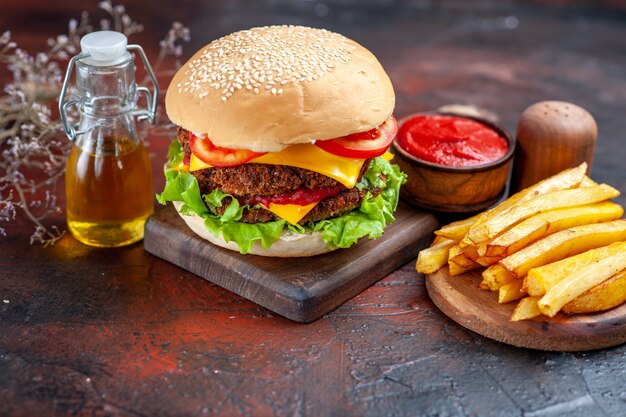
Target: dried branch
column 33, row 147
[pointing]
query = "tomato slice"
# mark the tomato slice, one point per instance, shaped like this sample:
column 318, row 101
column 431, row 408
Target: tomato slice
column 203, row 148
column 363, row 145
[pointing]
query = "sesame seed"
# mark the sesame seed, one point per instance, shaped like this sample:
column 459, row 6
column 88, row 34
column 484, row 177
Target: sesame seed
column 265, row 58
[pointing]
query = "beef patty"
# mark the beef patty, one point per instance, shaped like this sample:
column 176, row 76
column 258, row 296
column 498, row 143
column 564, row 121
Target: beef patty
column 269, row 180
column 343, row 202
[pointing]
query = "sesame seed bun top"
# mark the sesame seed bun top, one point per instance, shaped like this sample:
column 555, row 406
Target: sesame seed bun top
column 265, row 88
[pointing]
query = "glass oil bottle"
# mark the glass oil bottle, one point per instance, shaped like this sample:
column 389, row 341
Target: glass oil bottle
column 108, row 178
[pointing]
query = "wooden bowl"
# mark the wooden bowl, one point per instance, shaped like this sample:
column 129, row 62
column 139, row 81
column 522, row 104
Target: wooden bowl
column 454, row 189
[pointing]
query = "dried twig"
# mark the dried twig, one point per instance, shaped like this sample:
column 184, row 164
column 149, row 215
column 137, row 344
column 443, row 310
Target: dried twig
column 33, row 147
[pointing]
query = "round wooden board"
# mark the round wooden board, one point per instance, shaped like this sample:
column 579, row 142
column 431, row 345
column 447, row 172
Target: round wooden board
column 460, row 299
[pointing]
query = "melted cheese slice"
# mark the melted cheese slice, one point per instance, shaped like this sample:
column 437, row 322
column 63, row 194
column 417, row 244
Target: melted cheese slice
column 306, row 156
column 180, row 167
column 196, row 164
column 293, row 213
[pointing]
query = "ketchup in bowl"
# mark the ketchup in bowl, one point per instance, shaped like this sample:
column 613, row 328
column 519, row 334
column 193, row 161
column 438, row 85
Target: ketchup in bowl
column 451, row 140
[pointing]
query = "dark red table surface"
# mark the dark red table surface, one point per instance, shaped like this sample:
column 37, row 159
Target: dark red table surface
column 95, row 332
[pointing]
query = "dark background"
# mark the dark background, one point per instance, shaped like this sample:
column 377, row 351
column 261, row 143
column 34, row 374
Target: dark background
column 500, row 55
column 118, row 332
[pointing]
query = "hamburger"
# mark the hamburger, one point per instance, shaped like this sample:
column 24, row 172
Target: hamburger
column 282, row 142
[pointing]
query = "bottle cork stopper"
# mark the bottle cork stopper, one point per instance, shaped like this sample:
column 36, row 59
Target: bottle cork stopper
column 552, row 136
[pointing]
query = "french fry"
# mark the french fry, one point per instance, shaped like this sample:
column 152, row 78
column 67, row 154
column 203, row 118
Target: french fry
column 564, row 180
column 526, row 309
column 493, row 226
column 540, row 280
column 543, row 224
column 437, row 240
column 511, row 292
column 465, row 242
column 469, row 250
column 459, row 263
column 562, row 244
column 458, row 256
column 478, row 252
column 457, row 230
column 487, row 260
column 557, row 245
column 568, row 178
column 434, row 258
column 587, row 182
column 605, row 296
column 496, row 276
column 538, row 226
column 455, row 269
column 579, row 282
column 481, row 248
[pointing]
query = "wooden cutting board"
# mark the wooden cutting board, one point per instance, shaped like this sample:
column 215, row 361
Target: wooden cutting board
column 460, row 299
column 301, row 289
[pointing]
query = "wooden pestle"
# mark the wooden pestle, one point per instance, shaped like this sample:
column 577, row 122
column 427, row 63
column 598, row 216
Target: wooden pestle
column 552, row 136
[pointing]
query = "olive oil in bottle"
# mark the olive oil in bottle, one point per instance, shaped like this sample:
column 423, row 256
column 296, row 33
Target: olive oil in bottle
column 109, row 194
column 108, row 179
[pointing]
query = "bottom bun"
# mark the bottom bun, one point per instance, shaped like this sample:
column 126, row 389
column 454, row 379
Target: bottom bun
column 290, row 245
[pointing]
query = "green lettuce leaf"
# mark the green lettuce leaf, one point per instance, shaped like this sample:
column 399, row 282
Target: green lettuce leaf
column 175, row 154
column 370, row 219
column 182, row 186
column 373, row 215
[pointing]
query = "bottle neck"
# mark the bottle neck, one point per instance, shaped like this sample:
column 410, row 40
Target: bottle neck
column 106, row 91
column 108, row 135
